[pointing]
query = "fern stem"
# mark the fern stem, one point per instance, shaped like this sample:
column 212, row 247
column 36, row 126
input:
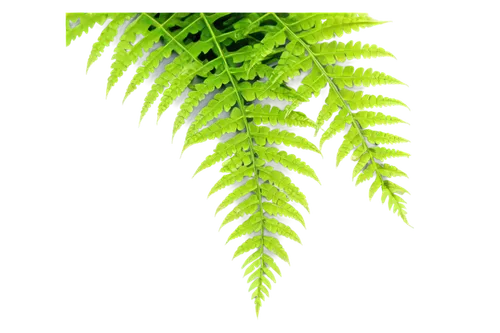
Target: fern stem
column 252, row 153
column 334, row 87
column 159, row 25
column 251, row 24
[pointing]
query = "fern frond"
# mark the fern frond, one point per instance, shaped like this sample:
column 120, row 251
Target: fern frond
column 195, row 96
column 395, row 202
column 377, row 137
column 349, row 76
column 337, row 26
column 283, row 209
column 224, row 150
column 351, row 140
column 388, row 171
column 249, row 186
column 370, row 118
column 289, row 161
column 253, row 224
column 78, row 23
column 267, row 114
column 339, row 79
column 291, row 62
column 260, row 91
column 249, row 244
column 357, row 100
column 227, row 125
column 107, row 35
column 315, row 30
column 230, row 61
column 123, row 54
column 381, row 153
column 284, row 183
column 247, row 206
column 231, row 178
column 330, row 53
column 368, row 160
column 178, row 84
column 273, row 245
column 223, row 101
column 360, row 102
column 260, row 51
column 277, row 227
column 264, row 135
column 338, row 124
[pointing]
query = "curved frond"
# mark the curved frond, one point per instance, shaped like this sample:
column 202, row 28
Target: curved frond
column 227, row 63
column 339, row 80
column 78, row 23
column 107, row 35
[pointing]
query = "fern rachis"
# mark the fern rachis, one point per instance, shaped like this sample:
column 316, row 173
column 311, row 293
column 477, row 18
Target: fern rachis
column 241, row 59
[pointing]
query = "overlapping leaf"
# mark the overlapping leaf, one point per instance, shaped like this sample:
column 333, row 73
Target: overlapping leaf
column 229, row 62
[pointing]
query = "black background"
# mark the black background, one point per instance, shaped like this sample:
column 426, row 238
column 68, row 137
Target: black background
column 141, row 247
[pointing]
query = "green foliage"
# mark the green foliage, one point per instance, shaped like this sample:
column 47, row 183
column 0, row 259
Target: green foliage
column 231, row 62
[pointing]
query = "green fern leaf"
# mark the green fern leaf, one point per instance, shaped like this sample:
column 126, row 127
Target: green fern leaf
column 370, row 118
column 387, row 170
column 83, row 22
column 364, row 176
column 283, row 209
column 273, row 245
column 330, row 53
column 249, row 186
column 395, row 202
column 231, row 61
column 349, row 76
column 224, row 150
column 382, row 153
column 107, row 35
column 248, row 245
column 231, row 178
column 377, row 137
column 358, row 100
column 274, row 226
column 351, row 139
column 266, row 114
column 247, row 206
column 289, row 65
column 394, row 188
column 123, row 54
column 194, row 98
column 252, row 224
column 289, row 161
column 337, row 26
column 337, row 125
column 262, row 50
column 227, row 125
column 284, row 183
column 340, row 98
column 263, row 135
column 223, row 101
